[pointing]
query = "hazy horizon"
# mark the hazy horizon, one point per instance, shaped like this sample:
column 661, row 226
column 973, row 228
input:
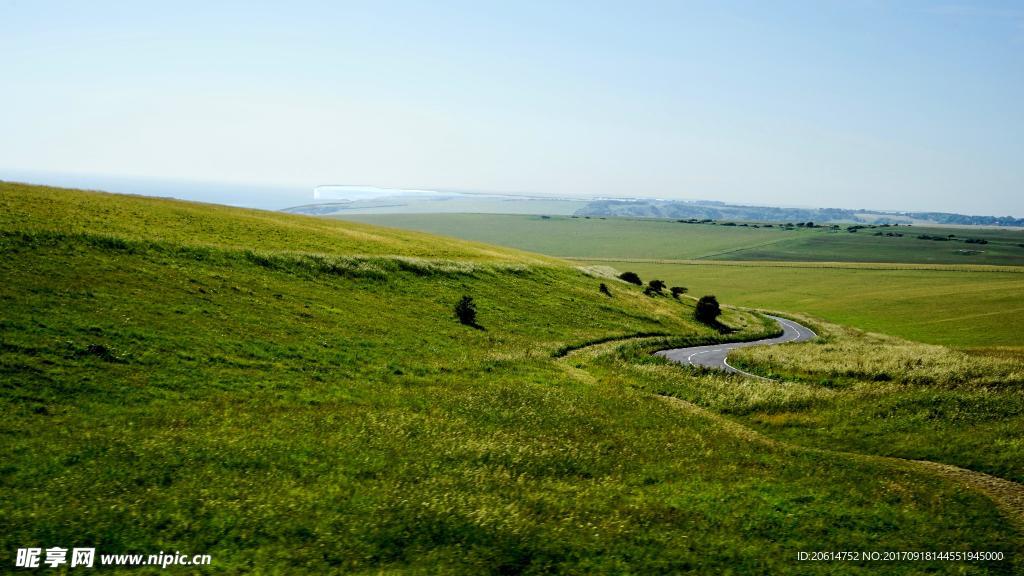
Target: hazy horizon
column 279, row 196
column 912, row 106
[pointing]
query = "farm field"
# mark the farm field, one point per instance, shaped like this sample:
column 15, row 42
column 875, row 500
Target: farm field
column 294, row 395
column 584, row 237
column 1003, row 247
column 667, row 239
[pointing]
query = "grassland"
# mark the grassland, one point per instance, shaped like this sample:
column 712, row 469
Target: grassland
column 1002, row 247
column 585, row 237
column 871, row 393
column 293, row 395
column 161, row 220
column 855, row 393
column 667, row 239
column 867, row 393
column 960, row 307
column 971, row 303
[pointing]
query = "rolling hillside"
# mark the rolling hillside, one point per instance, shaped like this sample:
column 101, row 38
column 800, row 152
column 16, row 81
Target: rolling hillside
column 926, row 290
column 974, row 308
column 294, row 395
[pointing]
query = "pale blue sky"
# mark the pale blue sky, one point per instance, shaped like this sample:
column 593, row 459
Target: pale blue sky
column 858, row 103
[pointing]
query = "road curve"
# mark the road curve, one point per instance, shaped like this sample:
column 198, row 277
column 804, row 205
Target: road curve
column 715, row 355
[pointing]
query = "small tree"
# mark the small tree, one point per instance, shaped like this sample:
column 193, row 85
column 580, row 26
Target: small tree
column 677, row 291
column 465, row 310
column 707, row 310
column 656, row 286
column 604, row 289
column 631, row 277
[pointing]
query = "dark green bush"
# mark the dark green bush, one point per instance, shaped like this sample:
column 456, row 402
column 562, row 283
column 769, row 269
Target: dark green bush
column 465, row 310
column 707, row 310
column 631, row 277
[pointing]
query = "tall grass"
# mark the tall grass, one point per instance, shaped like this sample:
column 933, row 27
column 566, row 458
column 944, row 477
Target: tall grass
column 862, row 392
column 300, row 400
column 847, row 355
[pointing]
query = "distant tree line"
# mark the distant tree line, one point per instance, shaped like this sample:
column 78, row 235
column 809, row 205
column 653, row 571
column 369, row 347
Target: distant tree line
column 962, row 219
column 708, row 211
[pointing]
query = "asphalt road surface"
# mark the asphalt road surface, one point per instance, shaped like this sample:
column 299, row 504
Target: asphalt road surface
column 715, row 355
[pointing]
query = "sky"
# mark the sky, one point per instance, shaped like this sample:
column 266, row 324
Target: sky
column 896, row 105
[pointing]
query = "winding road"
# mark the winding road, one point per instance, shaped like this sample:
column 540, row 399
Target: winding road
column 715, row 355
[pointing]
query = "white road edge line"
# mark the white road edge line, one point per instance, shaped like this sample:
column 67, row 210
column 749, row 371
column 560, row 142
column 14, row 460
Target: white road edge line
column 785, row 323
column 689, row 358
column 793, row 325
column 732, row 346
column 726, row 362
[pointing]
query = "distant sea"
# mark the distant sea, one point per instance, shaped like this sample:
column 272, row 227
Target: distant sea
column 233, row 194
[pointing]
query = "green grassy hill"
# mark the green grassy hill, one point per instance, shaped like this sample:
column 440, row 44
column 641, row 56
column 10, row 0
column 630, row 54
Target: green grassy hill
column 155, row 220
column 965, row 300
column 294, row 395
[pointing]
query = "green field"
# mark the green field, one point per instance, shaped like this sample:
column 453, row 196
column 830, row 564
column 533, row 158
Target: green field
column 975, row 302
column 585, row 237
column 965, row 308
column 1003, row 247
column 294, row 395
column 667, row 239
column 866, row 392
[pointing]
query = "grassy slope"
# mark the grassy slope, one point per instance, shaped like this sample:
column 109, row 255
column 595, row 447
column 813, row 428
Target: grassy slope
column 188, row 377
column 850, row 392
column 877, row 394
column 872, row 394
column 163, row 220
column 962, row 308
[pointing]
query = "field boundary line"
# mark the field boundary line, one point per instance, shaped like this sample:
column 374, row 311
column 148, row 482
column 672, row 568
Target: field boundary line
column 742, row 248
